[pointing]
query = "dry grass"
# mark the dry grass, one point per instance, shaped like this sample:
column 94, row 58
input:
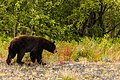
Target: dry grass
column 101, row 49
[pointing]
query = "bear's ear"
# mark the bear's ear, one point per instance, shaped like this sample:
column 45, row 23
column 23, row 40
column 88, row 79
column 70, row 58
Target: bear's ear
column 53, row 41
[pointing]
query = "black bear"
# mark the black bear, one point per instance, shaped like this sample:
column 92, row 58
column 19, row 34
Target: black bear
column 35, row 45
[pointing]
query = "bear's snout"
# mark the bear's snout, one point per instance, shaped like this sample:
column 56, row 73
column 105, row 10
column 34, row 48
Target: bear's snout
column 55, row 51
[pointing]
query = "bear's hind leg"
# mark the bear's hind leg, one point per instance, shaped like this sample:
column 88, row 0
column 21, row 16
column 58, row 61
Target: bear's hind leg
column 33, row 56
column 19, row 58
column 11, row 55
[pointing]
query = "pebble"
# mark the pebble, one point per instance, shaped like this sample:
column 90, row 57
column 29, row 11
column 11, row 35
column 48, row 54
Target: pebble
column 73, row 71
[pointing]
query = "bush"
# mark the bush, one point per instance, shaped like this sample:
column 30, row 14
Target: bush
column 90, row 49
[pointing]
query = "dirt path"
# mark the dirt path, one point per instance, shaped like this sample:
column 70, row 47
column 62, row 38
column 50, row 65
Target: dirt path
column 69, row 71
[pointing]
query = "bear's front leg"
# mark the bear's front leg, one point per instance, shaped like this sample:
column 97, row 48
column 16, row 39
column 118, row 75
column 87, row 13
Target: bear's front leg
column 19, row 58
column 39, row 58
column 40, row 61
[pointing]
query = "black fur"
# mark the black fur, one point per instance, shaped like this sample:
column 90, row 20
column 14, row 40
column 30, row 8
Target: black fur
column 32, row 44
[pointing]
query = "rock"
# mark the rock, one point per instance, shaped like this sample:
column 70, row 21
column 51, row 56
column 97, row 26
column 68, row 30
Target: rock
column 87, row 71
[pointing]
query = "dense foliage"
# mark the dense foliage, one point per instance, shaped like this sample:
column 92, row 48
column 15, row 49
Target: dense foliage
column 60, row 19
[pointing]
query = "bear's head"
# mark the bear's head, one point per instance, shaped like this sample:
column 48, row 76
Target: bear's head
column 51, row 47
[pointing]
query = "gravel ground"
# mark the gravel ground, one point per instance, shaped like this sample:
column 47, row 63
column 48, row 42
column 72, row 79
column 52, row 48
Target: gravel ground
column 68, row 71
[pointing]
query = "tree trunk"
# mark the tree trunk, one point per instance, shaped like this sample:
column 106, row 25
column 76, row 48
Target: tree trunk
column 15, row 29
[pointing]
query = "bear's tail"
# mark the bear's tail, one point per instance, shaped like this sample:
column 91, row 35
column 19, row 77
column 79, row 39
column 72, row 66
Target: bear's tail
column 10, row 49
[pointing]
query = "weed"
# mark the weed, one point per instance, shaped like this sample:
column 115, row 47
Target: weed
column 92, row 49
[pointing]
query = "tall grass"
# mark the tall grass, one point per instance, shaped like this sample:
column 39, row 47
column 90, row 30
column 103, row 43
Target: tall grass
column 99, row 49
column 4, row 42
column 89, row 49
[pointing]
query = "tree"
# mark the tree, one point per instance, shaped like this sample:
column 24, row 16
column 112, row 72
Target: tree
column 60, row 19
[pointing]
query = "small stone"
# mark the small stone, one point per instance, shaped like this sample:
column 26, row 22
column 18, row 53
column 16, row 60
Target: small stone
column 34, row 73
column 38, row 68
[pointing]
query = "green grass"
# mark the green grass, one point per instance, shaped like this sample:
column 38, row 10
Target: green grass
column 4, row 43
column 89, row 49
column 67, row 78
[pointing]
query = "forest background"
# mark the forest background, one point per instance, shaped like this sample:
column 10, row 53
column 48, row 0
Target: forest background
column 87, row 28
